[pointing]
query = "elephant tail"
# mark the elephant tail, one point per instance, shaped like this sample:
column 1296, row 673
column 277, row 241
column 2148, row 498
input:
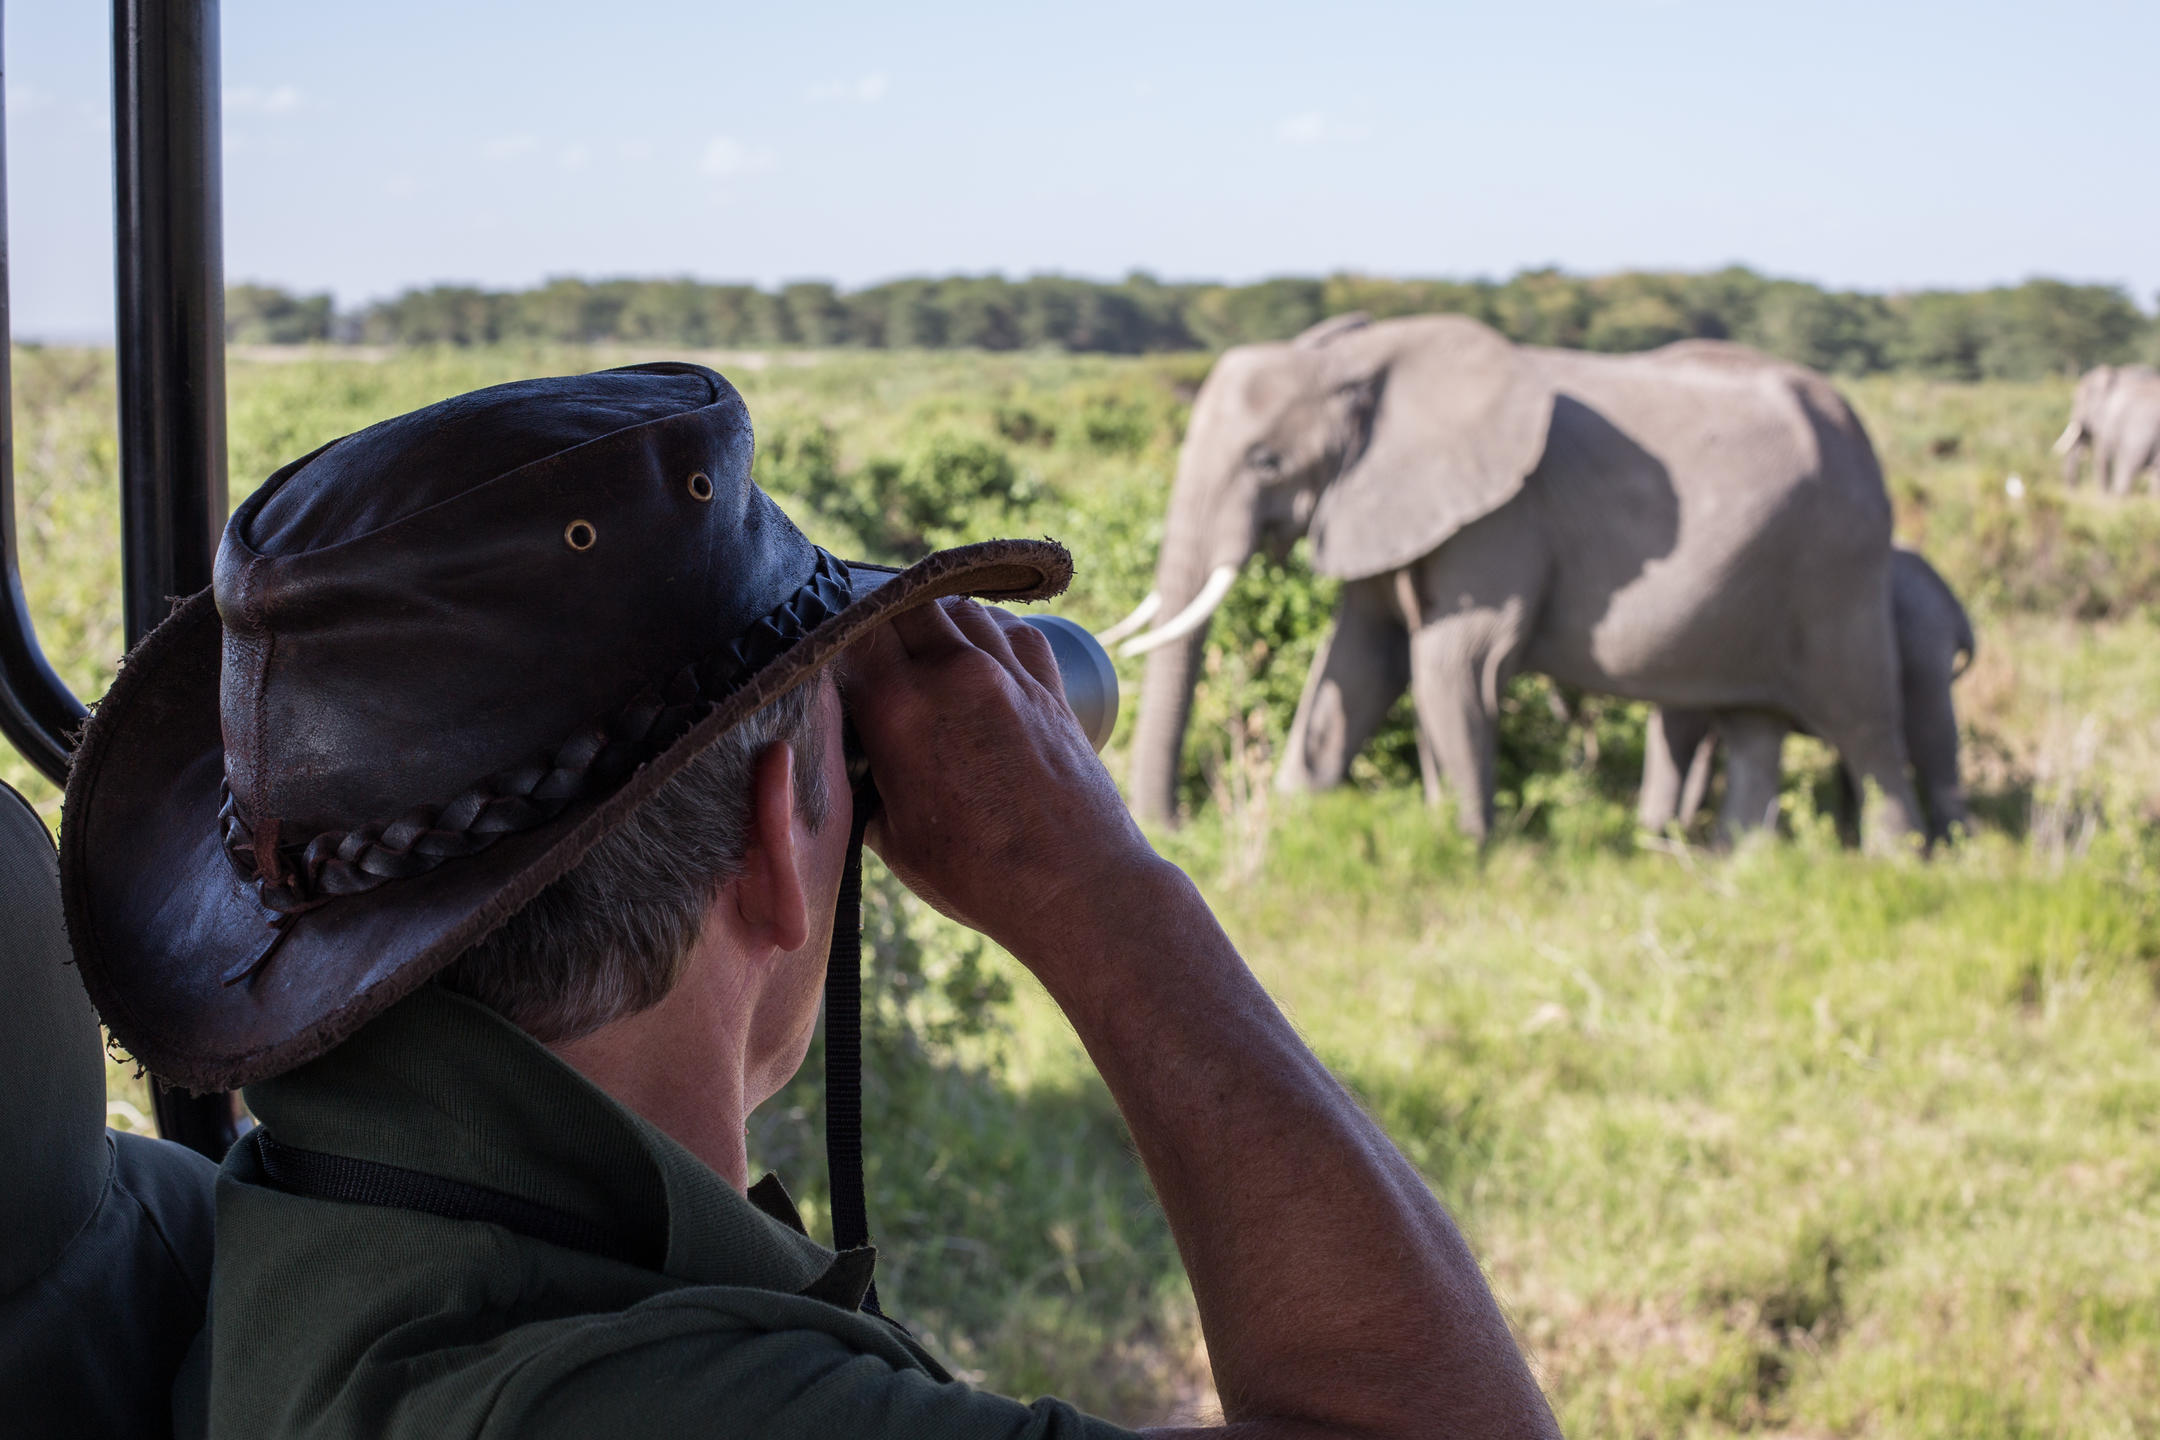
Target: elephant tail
column 1912, row 569
column 1968, row 647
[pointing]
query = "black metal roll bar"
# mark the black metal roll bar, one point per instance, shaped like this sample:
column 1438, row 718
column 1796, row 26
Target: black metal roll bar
column 38, row 713
column 170, row 323
column 169, row 345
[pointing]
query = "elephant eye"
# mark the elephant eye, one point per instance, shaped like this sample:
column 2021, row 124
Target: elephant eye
column 1263, row 459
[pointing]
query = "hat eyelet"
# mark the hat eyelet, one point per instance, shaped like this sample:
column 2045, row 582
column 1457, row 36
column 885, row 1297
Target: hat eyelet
column 700, row 486
column 580, row 535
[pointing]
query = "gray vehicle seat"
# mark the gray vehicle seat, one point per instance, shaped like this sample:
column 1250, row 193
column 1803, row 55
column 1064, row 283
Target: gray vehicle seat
column 104, row 1238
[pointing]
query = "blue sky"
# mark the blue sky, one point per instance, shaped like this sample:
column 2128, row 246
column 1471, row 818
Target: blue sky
column 371, row 147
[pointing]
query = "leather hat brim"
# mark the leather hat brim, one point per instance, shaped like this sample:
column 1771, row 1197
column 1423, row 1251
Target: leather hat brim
column 163, row 929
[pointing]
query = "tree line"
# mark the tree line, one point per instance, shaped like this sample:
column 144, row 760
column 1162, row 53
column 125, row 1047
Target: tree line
column 2041, row 327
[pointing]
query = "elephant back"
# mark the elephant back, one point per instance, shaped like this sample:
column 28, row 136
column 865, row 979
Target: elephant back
column 1823, row 422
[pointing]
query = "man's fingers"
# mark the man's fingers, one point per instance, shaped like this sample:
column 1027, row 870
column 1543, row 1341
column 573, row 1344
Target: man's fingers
column 1032, row 649
column 927, row 631
column 982, row 627
column 1015, row 644
column 875, row 651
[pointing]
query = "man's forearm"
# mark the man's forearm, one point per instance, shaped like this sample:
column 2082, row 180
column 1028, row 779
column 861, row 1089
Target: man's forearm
column 1333, row 1288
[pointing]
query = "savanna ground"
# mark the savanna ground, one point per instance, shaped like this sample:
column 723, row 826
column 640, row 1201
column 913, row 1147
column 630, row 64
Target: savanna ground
column 1788, row 1141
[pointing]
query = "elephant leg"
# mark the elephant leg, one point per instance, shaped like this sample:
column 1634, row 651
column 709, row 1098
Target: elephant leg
column 1363, row 665
column 1459, row 727
column 1858, row 711
column 1459, row 663
column 1676, row 766
column 1428, row 765
column 2115, row 476
column 1659, row 801
column 1874, row 750
column 1471, row 607
column 1696, row 785
column 1754, row 770
column 1931, row 740
column 1845, row 808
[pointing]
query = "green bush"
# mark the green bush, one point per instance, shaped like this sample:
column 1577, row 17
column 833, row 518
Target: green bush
column 265, row 315
column 945, row 490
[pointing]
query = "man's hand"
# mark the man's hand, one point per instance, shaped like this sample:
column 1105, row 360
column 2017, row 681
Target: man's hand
column 995, row 808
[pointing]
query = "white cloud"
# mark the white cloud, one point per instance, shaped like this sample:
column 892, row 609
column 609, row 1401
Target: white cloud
column 577, row 157
column 868, row 90
column 635, row 149
column 26, row 99
column 508, row 147
column 262, row 100
column 727, row 156
column 1313, row 127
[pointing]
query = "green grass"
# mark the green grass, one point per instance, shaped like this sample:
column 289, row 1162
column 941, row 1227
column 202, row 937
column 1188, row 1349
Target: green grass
column 1791, row 1141
column 1796, row 1139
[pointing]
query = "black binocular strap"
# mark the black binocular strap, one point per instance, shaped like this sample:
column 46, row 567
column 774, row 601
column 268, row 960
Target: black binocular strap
column 843, row 1052
column 321, row 1176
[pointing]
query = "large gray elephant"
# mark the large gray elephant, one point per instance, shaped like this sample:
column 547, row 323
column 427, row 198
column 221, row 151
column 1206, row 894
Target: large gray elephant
column 1696, row 526
column 1935, row 646
column 2115, row 416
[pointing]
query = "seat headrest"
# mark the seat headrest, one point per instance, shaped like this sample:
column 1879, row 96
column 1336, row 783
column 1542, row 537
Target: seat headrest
column 52, row 1068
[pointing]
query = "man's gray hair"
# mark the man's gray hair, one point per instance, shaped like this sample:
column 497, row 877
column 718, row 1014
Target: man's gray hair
column 610, row 937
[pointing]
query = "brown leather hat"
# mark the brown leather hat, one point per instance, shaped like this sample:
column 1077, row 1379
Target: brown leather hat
column 441, row 658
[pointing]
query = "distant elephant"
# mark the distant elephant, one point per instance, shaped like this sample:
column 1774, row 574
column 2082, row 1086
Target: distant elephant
column 1935, row 646
column 2115, row 415
column 1696, row 526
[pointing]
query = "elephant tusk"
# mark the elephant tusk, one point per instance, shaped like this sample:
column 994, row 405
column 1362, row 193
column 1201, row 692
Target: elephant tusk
column 1142, row 613
column 2067, row 441
column 1191, row 618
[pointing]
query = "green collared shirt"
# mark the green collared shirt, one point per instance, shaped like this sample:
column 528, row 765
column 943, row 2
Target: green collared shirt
column 340, row 1319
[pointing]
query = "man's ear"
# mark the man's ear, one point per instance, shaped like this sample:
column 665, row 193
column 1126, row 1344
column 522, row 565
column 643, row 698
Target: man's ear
column 769, row 895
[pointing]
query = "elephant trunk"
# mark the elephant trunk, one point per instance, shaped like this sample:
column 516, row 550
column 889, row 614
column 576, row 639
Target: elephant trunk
column 1204, row 546
column 2070, row 446
column 1166, row 693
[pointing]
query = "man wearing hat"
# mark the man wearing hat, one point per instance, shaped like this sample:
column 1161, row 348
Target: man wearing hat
column 487, row 821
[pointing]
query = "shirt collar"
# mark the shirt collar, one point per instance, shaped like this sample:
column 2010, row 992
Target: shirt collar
column 443, row 1085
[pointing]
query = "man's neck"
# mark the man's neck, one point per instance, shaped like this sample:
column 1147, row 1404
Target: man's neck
column 681, row 1065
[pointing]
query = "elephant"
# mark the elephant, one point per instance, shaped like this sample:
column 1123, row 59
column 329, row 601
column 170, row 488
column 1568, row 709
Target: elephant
column 2116, row 415
column 1935, row 646
column 1698, row 526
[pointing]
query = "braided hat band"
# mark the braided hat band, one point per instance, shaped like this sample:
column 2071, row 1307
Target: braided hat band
column 292, row 878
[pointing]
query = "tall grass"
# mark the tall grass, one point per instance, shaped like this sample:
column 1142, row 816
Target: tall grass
column 1788, row 1141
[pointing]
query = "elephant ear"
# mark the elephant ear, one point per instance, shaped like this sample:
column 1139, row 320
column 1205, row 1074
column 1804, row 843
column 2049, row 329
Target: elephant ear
column 1457, row 423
